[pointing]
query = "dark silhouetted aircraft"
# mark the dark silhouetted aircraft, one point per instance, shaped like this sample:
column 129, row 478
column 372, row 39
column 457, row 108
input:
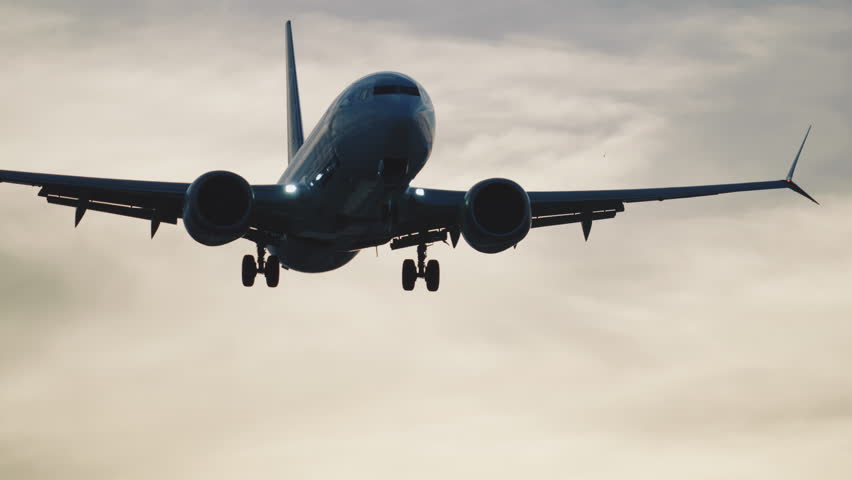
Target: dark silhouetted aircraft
column 347, row 188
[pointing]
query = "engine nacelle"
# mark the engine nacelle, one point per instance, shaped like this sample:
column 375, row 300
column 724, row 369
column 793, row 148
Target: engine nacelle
column 496, row 215
column 217, row 208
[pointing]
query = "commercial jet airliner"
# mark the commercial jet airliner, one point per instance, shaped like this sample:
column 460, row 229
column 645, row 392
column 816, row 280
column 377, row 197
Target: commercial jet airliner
column 348, row 187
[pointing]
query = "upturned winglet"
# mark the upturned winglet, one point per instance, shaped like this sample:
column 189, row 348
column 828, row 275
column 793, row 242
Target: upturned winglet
column 790, row 183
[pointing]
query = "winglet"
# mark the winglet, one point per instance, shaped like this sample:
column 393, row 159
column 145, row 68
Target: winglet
column 792, row 186
column 790, row 183
column 796, row 160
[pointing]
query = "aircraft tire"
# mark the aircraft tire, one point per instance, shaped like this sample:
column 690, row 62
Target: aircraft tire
column 249, row 270
column 272, row 271
column 409, row 275
column 433, row 275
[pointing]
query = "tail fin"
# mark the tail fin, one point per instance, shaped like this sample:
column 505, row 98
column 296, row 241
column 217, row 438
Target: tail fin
column 295, row 137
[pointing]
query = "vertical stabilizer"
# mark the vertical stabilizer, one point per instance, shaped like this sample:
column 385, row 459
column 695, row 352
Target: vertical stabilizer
column 295, row 137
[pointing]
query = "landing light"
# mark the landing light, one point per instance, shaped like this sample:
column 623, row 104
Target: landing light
column 319, row 177
column 290, row 188
column 419, row 192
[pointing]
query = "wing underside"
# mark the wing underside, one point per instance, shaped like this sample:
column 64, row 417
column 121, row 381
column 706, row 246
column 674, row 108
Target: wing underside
column 439, row 209
column 157, row 202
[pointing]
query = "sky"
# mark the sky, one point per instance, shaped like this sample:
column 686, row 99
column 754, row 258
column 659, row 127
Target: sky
column 705, row 338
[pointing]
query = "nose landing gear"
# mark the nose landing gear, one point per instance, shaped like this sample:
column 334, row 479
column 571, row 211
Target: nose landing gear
column 431, row 271
column 270, row 268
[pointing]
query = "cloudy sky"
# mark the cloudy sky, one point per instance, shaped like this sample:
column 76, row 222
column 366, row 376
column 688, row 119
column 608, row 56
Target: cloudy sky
column 706, row 338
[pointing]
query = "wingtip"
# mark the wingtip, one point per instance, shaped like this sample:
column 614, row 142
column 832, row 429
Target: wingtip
column 798, row 154
column 792, row 186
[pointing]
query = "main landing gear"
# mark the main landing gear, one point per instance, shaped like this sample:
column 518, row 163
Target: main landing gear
column 270, row 268
column 430, row 271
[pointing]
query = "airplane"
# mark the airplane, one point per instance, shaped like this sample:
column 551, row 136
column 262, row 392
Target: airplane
column 347, row 187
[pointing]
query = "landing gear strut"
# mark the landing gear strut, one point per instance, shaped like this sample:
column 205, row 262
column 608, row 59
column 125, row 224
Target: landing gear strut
column 430, row 271
column 270, row 268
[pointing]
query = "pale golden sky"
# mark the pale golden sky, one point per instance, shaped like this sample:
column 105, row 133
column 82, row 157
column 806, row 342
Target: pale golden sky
column 706, row 338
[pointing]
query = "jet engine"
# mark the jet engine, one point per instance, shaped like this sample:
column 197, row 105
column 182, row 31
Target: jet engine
column 495, row 215
column 217, row 208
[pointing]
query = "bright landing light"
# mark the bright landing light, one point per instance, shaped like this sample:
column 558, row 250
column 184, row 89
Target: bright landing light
column 419, row 192
column 290, row 188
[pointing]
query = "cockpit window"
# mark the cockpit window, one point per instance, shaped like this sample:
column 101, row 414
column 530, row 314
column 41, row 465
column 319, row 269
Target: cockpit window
column 399, row 89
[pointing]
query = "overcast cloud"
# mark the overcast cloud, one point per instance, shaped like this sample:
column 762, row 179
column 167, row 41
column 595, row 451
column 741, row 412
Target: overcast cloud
column 705, row 338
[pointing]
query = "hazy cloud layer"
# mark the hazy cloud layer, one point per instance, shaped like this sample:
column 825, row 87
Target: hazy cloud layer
column 704, row 338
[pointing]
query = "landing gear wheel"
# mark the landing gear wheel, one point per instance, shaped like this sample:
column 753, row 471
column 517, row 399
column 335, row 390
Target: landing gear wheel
column 433, row 275
column 409, row 275
column 272, row 271
column 249, row 270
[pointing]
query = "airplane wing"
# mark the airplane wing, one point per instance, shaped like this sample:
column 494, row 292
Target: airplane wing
column 154, row 201
column 559, row 208
column 436, row 209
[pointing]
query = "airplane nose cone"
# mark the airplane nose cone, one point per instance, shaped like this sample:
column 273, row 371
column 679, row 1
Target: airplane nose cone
column 403, row 126
column 389, row 132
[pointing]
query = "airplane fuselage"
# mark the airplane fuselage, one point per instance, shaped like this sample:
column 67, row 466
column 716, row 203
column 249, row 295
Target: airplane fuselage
column 358, row 160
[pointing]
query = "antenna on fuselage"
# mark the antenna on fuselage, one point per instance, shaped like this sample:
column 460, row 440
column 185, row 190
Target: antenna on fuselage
column 295, row 137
